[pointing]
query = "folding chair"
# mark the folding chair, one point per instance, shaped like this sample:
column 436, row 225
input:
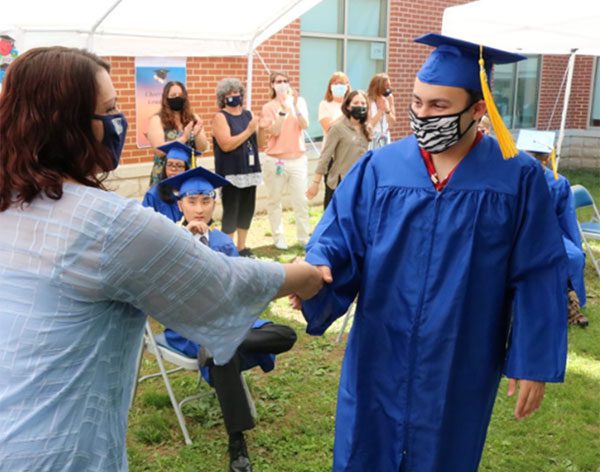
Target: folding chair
column 157, row 346
column 589, row 229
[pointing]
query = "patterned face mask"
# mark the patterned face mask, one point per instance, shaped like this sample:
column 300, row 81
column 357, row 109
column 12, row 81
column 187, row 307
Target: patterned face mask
column 436, row 134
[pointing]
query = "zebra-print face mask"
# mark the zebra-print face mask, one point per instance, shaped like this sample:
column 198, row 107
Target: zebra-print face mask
column 435, row 134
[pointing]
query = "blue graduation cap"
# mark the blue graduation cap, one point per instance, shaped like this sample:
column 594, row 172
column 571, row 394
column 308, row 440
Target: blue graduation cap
column 458, row 63
column 197, row 181
column 177, row 150
column 455, row 62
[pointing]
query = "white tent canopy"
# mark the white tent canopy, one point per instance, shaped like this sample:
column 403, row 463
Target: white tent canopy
column 530, row 26
column 150, row 27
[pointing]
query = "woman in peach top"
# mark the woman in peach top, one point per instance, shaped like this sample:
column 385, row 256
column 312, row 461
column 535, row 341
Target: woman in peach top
column 285, row 118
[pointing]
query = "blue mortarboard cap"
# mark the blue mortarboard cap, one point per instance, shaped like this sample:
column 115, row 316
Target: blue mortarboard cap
column 177, row 150
column 455, row 63
column 197, row 181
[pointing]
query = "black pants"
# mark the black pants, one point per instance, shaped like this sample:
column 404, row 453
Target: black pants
column 268, row 339
column 328, row 196
column 328, row 193
column 238, row 207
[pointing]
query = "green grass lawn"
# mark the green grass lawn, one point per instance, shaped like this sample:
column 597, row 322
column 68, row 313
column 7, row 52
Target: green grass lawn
column 296, row 402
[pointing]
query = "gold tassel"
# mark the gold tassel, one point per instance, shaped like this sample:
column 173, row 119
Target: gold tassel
column 192, row 160
column 503, row 135
column 553, row 162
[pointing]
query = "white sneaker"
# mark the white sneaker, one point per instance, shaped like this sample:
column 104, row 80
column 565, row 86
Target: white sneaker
column 281, row 244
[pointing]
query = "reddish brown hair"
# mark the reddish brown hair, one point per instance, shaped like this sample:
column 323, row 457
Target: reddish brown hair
column 377, row 85
column 366, row 129
column 337, row 77
column 166, row 115
column 46, row 109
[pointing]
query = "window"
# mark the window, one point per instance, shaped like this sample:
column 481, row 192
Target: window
column 516, row 92
column 346, row 35
column 595, row 115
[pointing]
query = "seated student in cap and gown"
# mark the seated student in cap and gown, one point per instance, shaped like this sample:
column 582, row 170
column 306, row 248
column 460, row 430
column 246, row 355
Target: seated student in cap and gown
column 540, row 144
column 196, row 199
column 460, row 272
column 160, row 197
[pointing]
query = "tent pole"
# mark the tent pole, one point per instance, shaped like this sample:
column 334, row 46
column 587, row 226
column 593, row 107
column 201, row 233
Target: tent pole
column 90, row 42
column 249, row 77
column 563, row 119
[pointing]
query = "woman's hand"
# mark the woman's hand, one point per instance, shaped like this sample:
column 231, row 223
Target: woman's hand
column 382, row 103
column 187, row 131
column 255, row 123
column 301, row 279
column 198, row 127
column 312, row 191
column 296, row 298
column 197, row 227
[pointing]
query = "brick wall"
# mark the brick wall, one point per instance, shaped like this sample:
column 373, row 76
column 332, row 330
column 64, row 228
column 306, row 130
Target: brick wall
column 281, row 52
column 552, row 74
column 409, row 19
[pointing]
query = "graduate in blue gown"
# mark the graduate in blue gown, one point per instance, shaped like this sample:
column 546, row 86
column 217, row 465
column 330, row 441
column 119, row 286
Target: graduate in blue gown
column 196, row 200
column 159, row 197
column 459, row 268
column 540, row 144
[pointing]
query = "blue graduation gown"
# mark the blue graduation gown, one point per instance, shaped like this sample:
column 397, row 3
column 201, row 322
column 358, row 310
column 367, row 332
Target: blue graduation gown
column 153, row 200
column 220, row 242
column 438, row 275
column 564, row 205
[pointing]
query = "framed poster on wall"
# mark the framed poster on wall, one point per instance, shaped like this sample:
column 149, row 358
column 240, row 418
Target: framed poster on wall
column 151, row 76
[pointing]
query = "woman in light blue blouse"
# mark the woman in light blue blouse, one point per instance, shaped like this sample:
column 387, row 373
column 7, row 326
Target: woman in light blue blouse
column 79, row 266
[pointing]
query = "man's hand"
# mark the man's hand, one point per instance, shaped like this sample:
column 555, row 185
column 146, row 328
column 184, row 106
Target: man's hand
column 531, row 394
column 197, row 227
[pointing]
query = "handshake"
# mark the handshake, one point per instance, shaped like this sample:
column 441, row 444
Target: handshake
column 303, row 281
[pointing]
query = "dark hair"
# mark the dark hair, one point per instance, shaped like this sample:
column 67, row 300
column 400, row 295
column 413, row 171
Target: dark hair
column 166, row 115
column 366, row 129
column 47, row 105
column 474, row 95
column 166, row 193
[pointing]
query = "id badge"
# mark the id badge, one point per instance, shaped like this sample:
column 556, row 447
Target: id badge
column 251, row 156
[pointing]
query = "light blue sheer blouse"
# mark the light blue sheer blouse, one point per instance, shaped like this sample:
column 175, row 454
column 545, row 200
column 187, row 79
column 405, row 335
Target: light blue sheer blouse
column 76, row 276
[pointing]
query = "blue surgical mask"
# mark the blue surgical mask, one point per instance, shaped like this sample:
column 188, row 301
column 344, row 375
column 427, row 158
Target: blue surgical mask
column 115, row 131
column 233, row 101
column 339, row 90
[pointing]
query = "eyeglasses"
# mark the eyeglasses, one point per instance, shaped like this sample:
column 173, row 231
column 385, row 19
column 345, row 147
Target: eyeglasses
column 175, row 166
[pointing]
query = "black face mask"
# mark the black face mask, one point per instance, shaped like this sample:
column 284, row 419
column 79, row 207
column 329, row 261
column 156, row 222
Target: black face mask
column 176, row 103
column 387, row 92
column 359, row 113
column 233, row 101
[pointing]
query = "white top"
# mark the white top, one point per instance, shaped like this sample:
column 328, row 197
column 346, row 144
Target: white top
column 76, row 277
column 381, row 128
column 331, row 110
